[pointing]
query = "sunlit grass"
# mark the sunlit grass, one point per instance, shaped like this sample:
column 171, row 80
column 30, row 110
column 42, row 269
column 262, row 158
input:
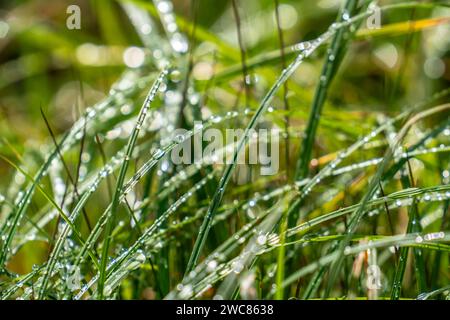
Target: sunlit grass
column 92, row 207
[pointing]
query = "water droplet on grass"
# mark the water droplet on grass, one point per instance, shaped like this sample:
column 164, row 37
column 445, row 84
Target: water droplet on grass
column 237, row 266
column 262, row 239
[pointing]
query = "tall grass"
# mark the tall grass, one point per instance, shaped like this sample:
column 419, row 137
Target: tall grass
column 99, row 211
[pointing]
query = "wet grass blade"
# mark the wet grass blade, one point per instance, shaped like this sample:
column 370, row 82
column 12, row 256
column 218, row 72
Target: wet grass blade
column 121, row 178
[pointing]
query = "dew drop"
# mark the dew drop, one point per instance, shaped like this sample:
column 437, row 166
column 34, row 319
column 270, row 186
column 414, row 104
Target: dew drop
column 237, row 266
column 262, row 239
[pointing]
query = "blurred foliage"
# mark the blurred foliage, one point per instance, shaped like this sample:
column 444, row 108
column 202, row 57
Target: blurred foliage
column 44, row 65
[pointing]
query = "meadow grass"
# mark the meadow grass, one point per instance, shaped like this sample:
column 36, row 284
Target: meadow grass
column 98, row 210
